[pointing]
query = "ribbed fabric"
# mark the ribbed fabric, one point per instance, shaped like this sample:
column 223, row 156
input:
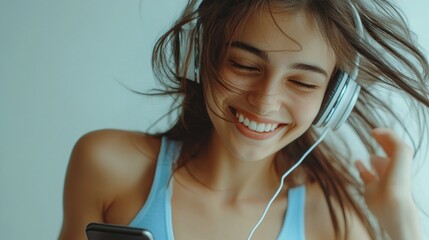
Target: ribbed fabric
column 155, row 215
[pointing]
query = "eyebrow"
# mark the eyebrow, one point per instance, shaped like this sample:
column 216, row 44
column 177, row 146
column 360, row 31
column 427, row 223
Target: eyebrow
column 308, row 67
column 251, row 49
column 263, row 54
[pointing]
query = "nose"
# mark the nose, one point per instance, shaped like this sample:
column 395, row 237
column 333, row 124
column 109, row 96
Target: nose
column 265, row 98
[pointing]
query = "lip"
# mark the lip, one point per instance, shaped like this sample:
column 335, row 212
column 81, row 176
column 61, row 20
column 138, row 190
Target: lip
column 253, row 134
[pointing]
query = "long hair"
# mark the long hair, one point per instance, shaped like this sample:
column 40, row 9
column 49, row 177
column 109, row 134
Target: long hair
column 390, row 59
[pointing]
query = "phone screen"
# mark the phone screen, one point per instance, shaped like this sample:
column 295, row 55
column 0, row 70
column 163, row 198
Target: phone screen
column 99, row 231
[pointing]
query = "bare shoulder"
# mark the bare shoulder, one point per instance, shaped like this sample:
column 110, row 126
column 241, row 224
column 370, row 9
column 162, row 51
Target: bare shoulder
column 113, row 156
column 318, row 220
column 115, row 150
column 106, row 167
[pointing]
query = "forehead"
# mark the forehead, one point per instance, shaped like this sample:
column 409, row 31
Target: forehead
column 285, row 32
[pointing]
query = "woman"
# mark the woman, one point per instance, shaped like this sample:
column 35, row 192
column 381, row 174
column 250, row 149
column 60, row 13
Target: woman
column 258, row 73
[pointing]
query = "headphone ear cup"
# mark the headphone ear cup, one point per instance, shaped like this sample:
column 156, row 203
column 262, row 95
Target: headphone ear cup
column 330, row 93
column 341, row 96
column 189, row 48
column 187, row 55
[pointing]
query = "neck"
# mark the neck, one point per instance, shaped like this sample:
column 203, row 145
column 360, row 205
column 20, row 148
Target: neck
column 216, row 170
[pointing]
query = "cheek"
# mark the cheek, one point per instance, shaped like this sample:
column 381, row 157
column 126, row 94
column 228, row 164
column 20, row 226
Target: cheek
column 305, row 109
column 217, row 98
column 229, row 90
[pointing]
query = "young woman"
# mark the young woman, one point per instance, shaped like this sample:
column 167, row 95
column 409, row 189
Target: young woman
column 259, row 75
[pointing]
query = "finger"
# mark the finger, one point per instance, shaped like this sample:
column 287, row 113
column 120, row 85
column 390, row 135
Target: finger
column 380, row 164
column 398, row 171
column 391, row 143
column 366, row 175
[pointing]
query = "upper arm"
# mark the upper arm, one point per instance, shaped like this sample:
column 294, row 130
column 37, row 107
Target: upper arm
column 102, row 164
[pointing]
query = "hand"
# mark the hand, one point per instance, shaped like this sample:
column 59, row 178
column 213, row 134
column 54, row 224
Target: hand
column 388, row 191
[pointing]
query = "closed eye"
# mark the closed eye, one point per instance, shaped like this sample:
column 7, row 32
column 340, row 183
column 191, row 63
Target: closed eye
column 242, row 67
column 303, row 85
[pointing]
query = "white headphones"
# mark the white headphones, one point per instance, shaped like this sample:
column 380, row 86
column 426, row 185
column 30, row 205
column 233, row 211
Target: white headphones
column 341, row 94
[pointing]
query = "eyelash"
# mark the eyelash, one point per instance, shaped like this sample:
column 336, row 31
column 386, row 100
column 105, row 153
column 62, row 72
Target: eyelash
column 254, row 69
column 242, row 67
column 303, row 85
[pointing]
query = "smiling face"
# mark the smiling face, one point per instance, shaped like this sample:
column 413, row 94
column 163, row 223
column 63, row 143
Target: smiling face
column 281, row 73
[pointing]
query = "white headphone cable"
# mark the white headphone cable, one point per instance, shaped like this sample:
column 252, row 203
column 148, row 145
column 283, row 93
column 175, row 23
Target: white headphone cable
column 322, row 136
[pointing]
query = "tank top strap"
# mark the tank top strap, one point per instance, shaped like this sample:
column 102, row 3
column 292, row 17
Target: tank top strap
column 294, row 222
column 155, row 215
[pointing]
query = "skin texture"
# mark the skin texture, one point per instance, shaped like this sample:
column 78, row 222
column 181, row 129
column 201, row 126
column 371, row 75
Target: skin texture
column 108, row 178
column 270, row 87
column 229, row 182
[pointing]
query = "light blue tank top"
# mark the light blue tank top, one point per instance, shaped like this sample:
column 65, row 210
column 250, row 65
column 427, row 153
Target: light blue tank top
column 155, row 215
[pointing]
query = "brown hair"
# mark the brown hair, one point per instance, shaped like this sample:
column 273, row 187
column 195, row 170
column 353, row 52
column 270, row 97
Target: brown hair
column 390, row 58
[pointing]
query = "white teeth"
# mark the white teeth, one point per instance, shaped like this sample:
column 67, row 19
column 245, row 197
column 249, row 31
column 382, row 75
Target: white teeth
column 240, row 118
column 253, row 125
column 257, row 127
column 261, row 127
column 246, row 122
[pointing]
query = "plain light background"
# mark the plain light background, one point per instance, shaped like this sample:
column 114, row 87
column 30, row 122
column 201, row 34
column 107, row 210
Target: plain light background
column 63, row 65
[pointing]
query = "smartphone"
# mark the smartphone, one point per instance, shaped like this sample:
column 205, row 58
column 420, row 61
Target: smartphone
column 101, row 231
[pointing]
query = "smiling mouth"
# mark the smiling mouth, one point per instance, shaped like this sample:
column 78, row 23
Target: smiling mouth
column 255, row 125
